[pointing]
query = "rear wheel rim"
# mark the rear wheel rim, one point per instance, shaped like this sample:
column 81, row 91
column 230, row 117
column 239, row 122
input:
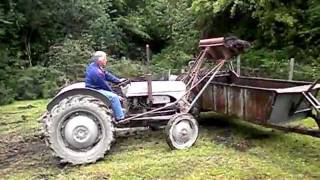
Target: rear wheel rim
column 80, row 131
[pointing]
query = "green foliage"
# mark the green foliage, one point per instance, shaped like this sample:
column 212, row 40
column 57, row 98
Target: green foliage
column 262, row 62
column 7, row 65
column 70, row 57
column 49, row 89
column 133, row 25
column 174, row 21
column 6, row 94
column 127, row 68
column 107, row 36
column 277, row 24
column 60, row 36
column 275, row 64
column 170, row 58
column 28, row 88
column 38, row 82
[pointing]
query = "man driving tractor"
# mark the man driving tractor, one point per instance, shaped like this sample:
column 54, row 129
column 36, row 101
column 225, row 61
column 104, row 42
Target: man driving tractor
column 80, row 129
column 97, row 78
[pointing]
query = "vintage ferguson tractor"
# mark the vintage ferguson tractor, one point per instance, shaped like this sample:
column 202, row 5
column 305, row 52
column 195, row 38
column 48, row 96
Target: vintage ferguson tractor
column 79, row 125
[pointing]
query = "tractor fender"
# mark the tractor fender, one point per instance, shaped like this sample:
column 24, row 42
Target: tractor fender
column 76, row 89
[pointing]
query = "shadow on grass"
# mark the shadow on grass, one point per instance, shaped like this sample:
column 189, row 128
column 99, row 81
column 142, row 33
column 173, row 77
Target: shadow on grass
column 237, row 127
column 242, row 136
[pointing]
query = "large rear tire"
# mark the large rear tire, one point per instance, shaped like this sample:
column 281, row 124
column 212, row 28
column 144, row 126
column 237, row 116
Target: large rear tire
column 79, row 129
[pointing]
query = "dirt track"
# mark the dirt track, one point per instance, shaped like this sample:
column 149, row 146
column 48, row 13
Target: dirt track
column 20, row 153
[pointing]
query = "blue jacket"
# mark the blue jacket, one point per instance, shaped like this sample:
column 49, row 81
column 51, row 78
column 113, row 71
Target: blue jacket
column 97, row 78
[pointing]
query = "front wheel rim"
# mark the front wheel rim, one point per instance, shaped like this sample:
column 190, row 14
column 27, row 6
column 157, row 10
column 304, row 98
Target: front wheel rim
column 183, row 133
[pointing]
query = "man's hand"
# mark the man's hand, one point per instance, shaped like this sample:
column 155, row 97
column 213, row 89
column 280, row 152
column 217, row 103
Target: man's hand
column 122, row 80
column 121, row 98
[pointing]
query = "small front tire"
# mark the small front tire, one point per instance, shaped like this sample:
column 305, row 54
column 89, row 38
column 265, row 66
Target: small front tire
column 182, row 131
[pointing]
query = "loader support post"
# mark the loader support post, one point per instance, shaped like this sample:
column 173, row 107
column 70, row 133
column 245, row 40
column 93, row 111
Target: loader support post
column 149, row 76
column 219, row 66
column 149, row 81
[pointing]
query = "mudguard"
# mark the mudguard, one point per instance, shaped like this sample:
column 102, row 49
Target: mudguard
column 76, row 89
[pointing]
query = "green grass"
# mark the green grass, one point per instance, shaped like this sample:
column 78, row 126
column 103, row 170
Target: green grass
column 20, row 117
column 226, row 149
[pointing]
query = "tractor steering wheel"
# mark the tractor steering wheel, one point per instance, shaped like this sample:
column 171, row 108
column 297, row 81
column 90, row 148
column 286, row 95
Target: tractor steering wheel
column 123, row 83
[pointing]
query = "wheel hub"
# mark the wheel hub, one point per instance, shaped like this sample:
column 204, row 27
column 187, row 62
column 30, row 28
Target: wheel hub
column 81, row 132
column 182, row 132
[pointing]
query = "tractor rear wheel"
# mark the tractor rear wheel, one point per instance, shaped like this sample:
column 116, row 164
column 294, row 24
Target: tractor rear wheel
column 182, row 131
column 79, row 129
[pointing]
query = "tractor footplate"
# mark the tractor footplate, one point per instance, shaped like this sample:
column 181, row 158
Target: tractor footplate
column 122, row 122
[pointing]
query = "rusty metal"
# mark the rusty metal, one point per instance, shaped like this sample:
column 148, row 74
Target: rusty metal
column 311, row 98
column 295, row 129
column 173, row 104
column 225, row 48
column 268, row 102
column 219, row 66
column 163, row 112
column 149, row 76
column 149, row 81
column 189, row 73
column 219, row 50
column 196, row 68
column 154, row 118
column 211, row 42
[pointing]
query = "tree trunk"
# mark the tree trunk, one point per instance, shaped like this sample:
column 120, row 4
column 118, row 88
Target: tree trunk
column 27, row 47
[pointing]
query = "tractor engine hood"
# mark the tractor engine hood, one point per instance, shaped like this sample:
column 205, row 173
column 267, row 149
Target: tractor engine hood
column 174, row 89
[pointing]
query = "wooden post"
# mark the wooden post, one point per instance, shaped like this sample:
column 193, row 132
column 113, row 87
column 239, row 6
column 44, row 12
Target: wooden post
column 291, row 69
column 148, row 55
column 149, row 76
column 238, row 64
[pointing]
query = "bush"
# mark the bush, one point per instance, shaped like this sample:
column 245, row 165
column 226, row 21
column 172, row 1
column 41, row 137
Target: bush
column 49, row 89
column 275, row 64
column 70, row 57
column 170, row 58
column 127, row 68
column 28, row 88
column 107, row 36
column 6, row 94
column 38, row 82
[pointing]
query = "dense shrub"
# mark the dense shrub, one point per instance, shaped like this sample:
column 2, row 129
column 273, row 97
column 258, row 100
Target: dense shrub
column 38, row 82
column 170, row 58
column 126, row 68
column 49, row 89
column 70, row 57
column 46, row 44
column 6, row 94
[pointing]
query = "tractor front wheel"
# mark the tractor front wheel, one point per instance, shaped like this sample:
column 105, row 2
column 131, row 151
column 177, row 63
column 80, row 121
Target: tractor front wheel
column 182, row 131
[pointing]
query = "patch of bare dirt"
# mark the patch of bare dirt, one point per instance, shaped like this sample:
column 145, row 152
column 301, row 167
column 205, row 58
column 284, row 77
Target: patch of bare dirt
column 18, row 153
column 228, row 140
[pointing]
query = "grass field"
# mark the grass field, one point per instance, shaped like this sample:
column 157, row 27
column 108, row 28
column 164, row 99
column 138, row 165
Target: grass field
column 226, row 149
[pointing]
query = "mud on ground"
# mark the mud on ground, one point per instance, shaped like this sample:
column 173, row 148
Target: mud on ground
column 19, row 153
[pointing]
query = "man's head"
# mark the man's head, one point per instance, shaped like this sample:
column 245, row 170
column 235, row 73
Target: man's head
column 100, row 58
